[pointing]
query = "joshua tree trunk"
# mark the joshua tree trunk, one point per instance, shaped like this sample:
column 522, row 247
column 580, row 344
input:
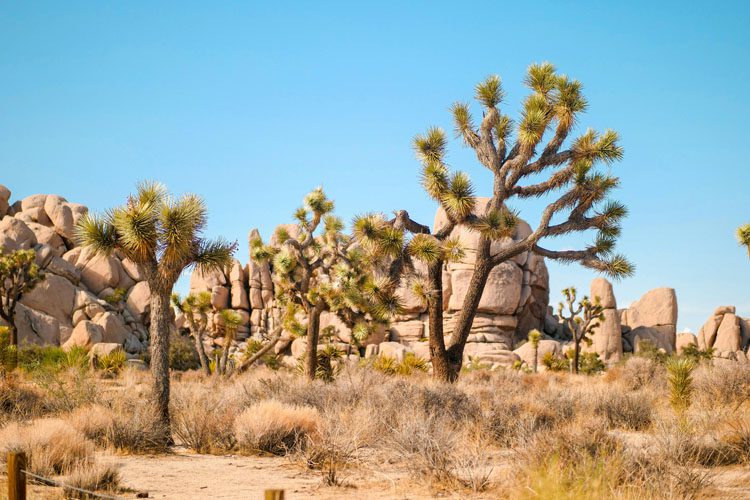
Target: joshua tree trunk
column 313, row 333
column 160, row 322
column 469, row 309
column 225, row 353
column 576, row 353
column 263, row 350
column 440, row 365
column 205, row 365
column 536, row 358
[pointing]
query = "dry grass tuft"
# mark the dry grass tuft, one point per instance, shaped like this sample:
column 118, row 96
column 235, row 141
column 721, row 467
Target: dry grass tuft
column 203, row 418
column 53, row 446
column 93, row 477
column 275, row 427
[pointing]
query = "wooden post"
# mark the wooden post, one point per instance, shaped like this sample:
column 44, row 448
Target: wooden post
column 274, row 495
column 16, row 478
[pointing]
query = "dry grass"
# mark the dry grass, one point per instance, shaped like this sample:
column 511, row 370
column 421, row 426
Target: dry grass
column 495, row 433
column 275, row 427
column 93, row 477
column 53, row 446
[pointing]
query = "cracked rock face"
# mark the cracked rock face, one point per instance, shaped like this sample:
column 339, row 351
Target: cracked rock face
column 69, row 307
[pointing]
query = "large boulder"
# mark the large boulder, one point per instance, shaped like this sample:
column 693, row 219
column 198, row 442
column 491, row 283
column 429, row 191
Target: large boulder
column 684, row 340
column 139, row 300
column 4, row 200
column 54, row 295
column 61, row 215
column 728, row 335
column 35, row 327
column 114, row 328
column 85, row 334
column 656, row 310
column 17, row 231
column 607, row 336
column 502, row 292
column 100, row 272
column 526, row 352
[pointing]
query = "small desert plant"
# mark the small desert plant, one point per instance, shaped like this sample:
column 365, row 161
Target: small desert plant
column 385, row 364
column 34, row 358
column 679, row 376
column 8, row 352
column 228, row 323
column 696, row 354
column 590, row 363
column 116, row 297
column 202, row 418
column 328, row 365
column 275, row 427
column 647, row 349
column 632, row 411
column 427, row 446
column 93, row 477
column 534, row 337
column 112, row 364
column 582, row 319
column 555, row 363
column 637, row 372
column 411, row 364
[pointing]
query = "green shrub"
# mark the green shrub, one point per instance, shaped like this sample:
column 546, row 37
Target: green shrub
column 51, row 358
column 112, row 364
column 385, row 364
column 411, row 364
column 693, row 352
column 182, row 354
column 117, row 296
column 589, row 363
column 647, row 349
column 554, row 363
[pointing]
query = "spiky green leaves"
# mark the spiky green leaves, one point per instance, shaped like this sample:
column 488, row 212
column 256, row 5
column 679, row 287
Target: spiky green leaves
column 96, row 232
column 534, row 121
column 541, row 78
column 317, row 202
column 284, row 261
column 213, row 254
column 490, row 91
column 179, row 222
column 743, row 236
column 431, row 146
column 458, row 200
column 19, row 273
column 568, row 101
column 435, row 180
column 592, row 146
column 534, row 337
column 463, row 121
column 425, row 247
column 497, row 224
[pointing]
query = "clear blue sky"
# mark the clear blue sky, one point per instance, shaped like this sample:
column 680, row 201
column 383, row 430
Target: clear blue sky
column 251, row 105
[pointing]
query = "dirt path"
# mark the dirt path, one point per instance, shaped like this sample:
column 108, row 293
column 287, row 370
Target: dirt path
column 185, row 475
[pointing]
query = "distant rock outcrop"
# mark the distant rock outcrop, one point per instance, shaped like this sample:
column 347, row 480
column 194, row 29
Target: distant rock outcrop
column 75, row 304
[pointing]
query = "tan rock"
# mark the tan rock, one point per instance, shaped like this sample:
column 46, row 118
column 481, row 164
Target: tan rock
column 526, row 352
column 407, row 331
column 653, row 335
column 100, row 272
column 35, row 327
column 728, row 337
column 61, row 215
column 4, row 201
column 55, row 296
column 135, row 271
column 33, row 201
column 104, row 349
column 602, row 289
column 138, row 301
column 220, row 297
column 114, row 329
column 392, row 350
column 85, row 334
column 47, row 236
column 501, row 294
column 239, row 296
column 331, row 321
column 656, row 307
column 685, row 339
column 18, row 231
column 61, row 267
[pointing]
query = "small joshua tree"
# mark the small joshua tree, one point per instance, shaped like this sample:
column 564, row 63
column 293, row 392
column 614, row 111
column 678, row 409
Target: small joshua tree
column 227, row 323
column 19, row 274
column 534, row 337
column 680, row 378
column 522, row 167
column 196, row 307
column 316, row 271
column 743, row 236
column 163, row 234
column 581, row 318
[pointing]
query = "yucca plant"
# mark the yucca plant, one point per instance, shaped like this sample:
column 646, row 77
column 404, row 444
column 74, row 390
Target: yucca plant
column 534, row 337
column 317, row 268
column 582, row 318
column 680, row 378
column 19, row 274
column 563, row 169
column 111, row 364
column 164, row 235
column 227, row 323
column 196, row 307
column 743, row 236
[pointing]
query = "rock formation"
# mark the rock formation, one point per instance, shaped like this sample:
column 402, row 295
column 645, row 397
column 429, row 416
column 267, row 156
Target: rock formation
column 654, row 318
column 75, row 304
column 726, row 333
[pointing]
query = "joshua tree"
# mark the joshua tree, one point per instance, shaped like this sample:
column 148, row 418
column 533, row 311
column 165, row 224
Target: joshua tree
column 582, row 318
column 534, row 337
column 163, row 234
column 316, row 271
column 227, row 323
column 743, row 236
column 19, row 274
column 196, row 307
column 520, row 170
column 679, row 375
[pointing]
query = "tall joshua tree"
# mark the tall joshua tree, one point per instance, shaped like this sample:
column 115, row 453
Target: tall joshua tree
column 582, row 319
column 534, row 337
column 563, row 170
column 317, row 268
column 19, row 274
column 743, row 236
column 163, row 234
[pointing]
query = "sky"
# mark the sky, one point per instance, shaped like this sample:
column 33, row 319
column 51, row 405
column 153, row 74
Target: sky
column 251, row 105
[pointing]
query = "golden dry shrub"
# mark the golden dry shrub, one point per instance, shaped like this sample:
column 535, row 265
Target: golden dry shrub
column 275, row 427
column 52, row 445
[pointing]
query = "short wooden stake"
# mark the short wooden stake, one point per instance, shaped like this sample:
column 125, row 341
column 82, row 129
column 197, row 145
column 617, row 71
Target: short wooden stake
column 16, row 478
column 274, row 495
